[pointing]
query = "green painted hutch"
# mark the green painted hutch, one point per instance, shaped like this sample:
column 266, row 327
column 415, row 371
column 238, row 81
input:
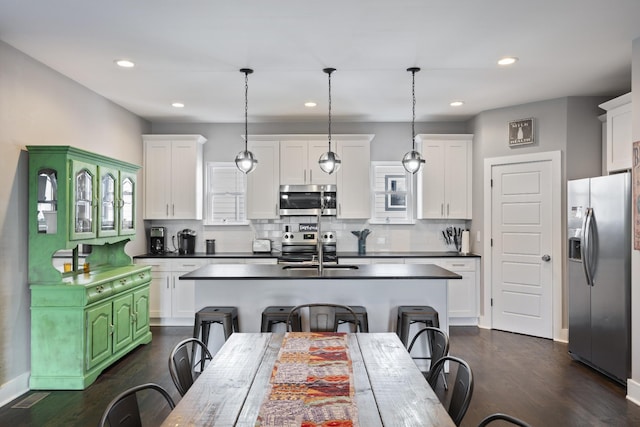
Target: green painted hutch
column 92, row 310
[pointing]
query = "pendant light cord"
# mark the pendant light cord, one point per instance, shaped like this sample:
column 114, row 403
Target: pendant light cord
column 246, row 109
column 413, row 120
column 329, row 110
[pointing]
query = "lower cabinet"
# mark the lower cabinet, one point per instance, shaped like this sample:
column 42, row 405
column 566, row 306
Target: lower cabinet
column 172, row 301
column 463, row 294
column 86, row 323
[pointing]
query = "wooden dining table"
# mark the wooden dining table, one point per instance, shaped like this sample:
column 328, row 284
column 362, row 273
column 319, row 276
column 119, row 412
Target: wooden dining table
column 389, row 389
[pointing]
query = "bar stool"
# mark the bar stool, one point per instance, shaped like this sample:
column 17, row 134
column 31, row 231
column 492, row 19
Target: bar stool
column 226, row 316
column 343, row 316
column 278, row 314
column 408, row 314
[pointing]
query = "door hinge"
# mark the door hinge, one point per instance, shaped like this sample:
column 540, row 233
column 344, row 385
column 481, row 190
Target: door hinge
column 491, row 242
column 491, row 302
column 491, row 182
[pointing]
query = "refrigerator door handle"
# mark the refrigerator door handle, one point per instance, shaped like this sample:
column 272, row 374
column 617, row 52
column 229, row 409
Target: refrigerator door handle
column 586, row 247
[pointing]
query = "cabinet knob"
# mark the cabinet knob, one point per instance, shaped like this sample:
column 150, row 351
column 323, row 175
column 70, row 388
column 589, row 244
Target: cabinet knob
column 546, row 258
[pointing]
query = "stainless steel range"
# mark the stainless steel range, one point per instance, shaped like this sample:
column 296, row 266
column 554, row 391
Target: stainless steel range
column 302, row 247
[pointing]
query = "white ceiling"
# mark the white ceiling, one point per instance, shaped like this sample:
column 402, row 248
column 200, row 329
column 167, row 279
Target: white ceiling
column 191, row 51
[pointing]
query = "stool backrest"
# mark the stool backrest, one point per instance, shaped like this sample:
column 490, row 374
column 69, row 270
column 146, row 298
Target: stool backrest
column 123, row 410
column 438, row 342
column 182, row 366
column 456, row 395
column 322, row 316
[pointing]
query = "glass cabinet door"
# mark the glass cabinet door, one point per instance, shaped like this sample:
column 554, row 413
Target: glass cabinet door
column 127, row 208
column 83, row 225
column 47, row 201
column 107, row 196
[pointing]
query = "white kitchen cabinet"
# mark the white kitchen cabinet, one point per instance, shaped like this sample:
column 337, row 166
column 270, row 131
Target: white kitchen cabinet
column 299, row 162
column 171, row 300
column 463, row 294
column 263, row 183
column 173, row 176
column 444, row 181
column 618, row 133
column 353, row 186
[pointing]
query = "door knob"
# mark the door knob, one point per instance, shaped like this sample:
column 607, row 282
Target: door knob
column 546, row 258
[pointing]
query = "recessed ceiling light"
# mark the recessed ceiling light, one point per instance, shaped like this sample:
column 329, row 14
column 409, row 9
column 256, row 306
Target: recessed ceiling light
column 507, row 60
column 177, row 105
column 456, row 103
column 125, row 63
column 310, row 104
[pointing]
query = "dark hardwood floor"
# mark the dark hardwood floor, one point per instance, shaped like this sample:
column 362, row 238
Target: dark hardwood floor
column 532, row 378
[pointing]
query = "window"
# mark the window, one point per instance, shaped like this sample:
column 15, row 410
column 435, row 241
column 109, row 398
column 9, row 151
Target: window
column 225, row 188
column 392, row 194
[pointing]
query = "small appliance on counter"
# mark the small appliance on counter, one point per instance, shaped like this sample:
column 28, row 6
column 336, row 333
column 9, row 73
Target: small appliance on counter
column 157, row 240
column 187, row 242
column 261, row 246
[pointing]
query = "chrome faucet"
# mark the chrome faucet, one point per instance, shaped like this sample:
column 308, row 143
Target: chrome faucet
column 319, row 245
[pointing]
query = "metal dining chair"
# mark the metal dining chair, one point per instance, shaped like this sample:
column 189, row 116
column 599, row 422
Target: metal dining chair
column 438, row 341
column 503, row 417
column 124, row 411
column 457, row 396
column 322, row 316
column 182, row 366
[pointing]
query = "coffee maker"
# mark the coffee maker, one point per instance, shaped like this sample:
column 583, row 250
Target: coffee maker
column 186, row 241
column 157, row 240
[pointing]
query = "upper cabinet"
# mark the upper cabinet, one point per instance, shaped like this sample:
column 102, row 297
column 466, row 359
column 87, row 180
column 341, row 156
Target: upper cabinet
column 173, row 176
column 444, row 181
column 293, row 160
column 618, row 133
column 299, row 162
column 353, row 185
column 263, row 182
column 76, row 196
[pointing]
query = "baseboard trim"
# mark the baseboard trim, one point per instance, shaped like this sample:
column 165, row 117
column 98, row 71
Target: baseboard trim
column 15, row 388
column 633, row 391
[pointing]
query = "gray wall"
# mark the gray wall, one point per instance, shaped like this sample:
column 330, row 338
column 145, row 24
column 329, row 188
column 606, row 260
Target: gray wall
column 40, row 106
column 569, row 125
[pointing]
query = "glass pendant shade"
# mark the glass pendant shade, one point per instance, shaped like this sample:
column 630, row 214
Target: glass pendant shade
column 329, row 162
column 245, row 161
column 412, row 161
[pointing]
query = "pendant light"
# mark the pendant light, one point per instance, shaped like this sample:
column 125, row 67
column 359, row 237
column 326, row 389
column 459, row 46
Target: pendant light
column 329, row 162
column 245, row 160
column 412, row 160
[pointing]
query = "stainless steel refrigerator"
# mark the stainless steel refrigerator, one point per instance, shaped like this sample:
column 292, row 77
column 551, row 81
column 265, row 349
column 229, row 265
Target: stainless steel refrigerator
column 599, row 272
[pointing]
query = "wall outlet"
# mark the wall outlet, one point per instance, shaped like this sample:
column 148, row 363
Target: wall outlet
column 477, row 236
column 381, row 240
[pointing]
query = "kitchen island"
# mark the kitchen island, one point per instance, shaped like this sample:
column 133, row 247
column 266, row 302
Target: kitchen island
column 379, row 288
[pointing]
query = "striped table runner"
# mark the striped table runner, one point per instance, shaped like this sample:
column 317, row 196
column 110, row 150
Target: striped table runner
column 311, row 383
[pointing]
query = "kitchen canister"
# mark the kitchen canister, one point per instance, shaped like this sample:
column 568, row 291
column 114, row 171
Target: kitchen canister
column 210, row 246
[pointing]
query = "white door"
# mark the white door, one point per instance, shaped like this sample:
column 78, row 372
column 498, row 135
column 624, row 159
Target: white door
column 521, row 232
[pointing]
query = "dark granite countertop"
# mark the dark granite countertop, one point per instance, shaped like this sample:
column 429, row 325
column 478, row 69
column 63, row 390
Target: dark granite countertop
column 279, row 272
column 276, row 254
column 175, row 255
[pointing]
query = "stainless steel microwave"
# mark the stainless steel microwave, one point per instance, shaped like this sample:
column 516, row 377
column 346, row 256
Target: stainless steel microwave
column 308, row 200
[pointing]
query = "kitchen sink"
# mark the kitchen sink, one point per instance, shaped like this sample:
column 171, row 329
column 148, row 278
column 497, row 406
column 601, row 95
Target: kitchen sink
column 315, row 267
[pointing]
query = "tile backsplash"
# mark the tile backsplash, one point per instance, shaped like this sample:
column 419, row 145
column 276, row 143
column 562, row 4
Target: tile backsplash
column 424, row 235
